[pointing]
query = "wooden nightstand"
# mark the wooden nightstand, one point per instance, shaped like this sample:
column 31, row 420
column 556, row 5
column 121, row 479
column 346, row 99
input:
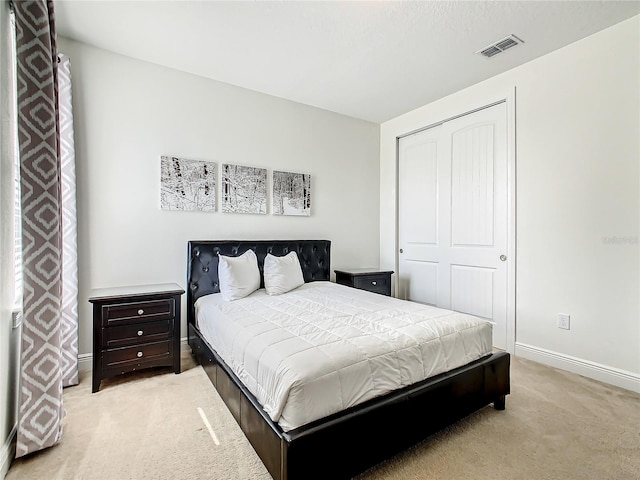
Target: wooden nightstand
column 370, row 279
column 135, row 327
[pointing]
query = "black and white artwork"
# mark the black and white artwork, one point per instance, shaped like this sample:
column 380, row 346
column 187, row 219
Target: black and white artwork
column 187, row 184
column 244, row 189
column 291, row 193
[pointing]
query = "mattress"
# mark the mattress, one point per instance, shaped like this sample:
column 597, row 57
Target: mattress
column 324, row 347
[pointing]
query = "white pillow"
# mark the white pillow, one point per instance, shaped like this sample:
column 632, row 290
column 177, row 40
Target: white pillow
column 238, row 276
column 282, row 274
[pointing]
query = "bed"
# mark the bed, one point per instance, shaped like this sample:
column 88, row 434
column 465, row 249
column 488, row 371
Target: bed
column 362, row 429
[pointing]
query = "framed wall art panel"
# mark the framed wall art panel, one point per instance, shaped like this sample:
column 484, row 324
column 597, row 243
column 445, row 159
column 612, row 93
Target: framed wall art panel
column 187, row 184
column 291, row 193
column 244, row 189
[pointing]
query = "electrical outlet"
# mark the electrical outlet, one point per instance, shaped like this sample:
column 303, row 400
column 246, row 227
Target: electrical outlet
column 563, row 320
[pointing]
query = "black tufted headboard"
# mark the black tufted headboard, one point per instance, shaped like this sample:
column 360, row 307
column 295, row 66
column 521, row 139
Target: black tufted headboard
column 202, row 262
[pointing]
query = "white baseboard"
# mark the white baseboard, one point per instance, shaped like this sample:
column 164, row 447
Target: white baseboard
column 85, row 360
column 8, row 452
column 603, row 373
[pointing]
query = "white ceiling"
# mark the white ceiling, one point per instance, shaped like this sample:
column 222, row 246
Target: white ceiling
column 369, row 60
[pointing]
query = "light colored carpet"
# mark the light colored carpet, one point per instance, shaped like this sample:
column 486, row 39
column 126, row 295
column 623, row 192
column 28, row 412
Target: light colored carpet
column 146, row 425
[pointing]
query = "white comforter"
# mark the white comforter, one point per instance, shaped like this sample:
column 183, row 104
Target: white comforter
column 325, row 347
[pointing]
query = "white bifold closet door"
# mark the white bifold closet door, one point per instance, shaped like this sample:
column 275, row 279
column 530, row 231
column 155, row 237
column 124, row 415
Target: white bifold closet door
column 452, row 221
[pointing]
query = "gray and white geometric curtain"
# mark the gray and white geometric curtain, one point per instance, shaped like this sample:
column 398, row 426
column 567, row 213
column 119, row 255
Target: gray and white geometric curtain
column 42, row 364
column 69, row 227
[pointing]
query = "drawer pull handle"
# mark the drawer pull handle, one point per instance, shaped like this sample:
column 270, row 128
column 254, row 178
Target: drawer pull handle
column 140, row 332
column 139, row 354
column 374, row 283
column 140, row 312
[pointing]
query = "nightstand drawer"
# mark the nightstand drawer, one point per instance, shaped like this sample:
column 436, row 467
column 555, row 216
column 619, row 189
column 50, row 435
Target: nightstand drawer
column 372, row 280
column 373, row 283
column 146, row 332
column 136, row 354
column 119, row 313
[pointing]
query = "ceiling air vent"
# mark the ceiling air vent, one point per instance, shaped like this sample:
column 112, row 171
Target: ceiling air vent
column 500, row 46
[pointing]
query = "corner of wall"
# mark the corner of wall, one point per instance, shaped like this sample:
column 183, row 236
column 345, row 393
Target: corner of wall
column 8, row 451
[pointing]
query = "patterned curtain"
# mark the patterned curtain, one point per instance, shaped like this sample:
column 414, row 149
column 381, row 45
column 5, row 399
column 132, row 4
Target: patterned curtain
column 42, row 361
column 69, row 227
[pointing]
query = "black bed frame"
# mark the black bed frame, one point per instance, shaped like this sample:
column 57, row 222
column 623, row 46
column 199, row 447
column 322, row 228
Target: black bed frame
column 347, row 443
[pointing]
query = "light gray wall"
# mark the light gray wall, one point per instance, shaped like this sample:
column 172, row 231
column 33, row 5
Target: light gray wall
column 9, row 337
column 577, row 162
column 127, row 113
